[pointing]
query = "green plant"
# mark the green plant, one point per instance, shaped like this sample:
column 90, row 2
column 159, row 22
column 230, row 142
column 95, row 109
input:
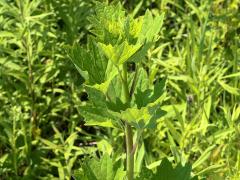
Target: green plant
column 191, row 53
column 31, row 81
column 14, row 132
column 195, row 58
column 65, row 153
column 118, row 97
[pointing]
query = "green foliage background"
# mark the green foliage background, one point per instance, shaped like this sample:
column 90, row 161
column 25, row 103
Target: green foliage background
column 43, row 135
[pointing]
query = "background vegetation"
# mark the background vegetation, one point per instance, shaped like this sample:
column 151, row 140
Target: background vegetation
column 43, row 135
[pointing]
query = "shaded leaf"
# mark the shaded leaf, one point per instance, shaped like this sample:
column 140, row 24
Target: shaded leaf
column 90, row 63
column 144, row 97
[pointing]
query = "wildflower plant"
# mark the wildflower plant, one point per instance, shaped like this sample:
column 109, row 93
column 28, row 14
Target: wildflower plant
column 117, row 97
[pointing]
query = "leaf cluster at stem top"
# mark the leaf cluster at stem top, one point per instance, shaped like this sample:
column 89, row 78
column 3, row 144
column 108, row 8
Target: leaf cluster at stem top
column 118, row 39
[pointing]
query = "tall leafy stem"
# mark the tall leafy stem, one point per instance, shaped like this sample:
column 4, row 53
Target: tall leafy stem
column 27, row 41
column 116, row 95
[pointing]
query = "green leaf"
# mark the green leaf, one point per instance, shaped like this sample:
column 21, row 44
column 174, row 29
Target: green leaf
column 106, row 22
column 136, row 117
column 149, row 34
column 103, row 169
column 140, row 55
column 139, row 157
column 228, row 88
column 99, row 116
column 145, row 96
column 145, row 174
column 204, row 156
column 96, row 111
column 119, row 54
column 91, row 63
column 8, row 63
column 70, row 144
column 49, row 144
column 123, row 38
column 115, row 95
column 3, row 159
column 166, row 172
column 206, row 114
column 88, row 173
column 145, row 117
column 96, row 97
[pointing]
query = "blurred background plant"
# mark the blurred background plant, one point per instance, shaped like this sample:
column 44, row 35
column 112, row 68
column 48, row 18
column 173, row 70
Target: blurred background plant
column 36, row 77
column 42, row 132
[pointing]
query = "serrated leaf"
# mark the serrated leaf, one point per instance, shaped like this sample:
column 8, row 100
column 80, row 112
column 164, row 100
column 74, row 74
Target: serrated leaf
column 88, row 172
column 141, row 53
column 166, row 171
column 106, row 20
column 90, row 63
column 124, row 38
column 145, row 96
column 103, row 169
column 115, row 95
column 98, row 116
column 149, row 34
column 142, row 118
column 96, row 112
column 106, row 168
column 96, row 97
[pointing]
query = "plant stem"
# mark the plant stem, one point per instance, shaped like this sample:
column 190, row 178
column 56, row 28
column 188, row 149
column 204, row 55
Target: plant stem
column 27, row 44
column 128, row 130
column 125, row 84
column 130, row 155
column 134, row 83
column 14, row 149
